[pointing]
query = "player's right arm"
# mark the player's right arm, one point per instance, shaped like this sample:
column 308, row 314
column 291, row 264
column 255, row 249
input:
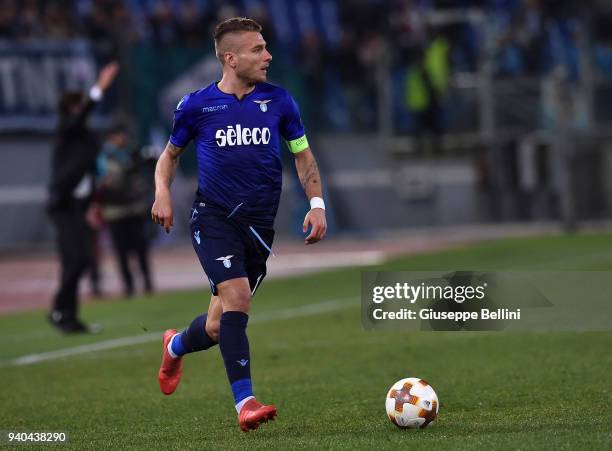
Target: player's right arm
column 165, row 170
column 167, row 164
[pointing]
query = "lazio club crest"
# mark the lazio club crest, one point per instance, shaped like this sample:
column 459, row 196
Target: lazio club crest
column 226, row 261
column 263, row 104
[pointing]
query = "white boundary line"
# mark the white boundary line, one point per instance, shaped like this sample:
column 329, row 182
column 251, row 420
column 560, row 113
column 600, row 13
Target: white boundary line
column 290, row 313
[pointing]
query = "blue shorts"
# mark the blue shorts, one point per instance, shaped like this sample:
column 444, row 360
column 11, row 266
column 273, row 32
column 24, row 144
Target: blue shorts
column 228, row 248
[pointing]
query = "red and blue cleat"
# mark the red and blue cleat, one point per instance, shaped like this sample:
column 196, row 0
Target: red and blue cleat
column 171, row 368
column 253, row 414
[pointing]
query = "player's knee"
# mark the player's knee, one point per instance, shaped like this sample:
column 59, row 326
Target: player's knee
column 238, row 303
column 236, row 296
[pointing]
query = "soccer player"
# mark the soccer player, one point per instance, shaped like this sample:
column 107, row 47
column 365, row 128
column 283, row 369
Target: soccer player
column 237, row 125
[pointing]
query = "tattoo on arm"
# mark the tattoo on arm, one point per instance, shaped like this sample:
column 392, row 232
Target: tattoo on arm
column 310, row 175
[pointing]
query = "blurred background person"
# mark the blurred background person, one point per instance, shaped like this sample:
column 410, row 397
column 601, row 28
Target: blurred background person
column 426, row 84
column 124, row 196
column 70, row 192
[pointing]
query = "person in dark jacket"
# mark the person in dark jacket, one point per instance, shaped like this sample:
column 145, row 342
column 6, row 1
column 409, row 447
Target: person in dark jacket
column 124, row 195
column 71, row 188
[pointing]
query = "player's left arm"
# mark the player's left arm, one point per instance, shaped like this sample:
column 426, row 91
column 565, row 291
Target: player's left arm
column 309, row 175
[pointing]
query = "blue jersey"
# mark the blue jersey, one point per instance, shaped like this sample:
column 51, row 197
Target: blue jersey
column 238, row 145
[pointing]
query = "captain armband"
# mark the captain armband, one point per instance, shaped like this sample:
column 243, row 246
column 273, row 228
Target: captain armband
column 297, row 145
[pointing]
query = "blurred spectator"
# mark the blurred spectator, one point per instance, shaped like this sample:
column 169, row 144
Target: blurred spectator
column 100, row 31
column 371, row 50
column 603, row 44
column 125, row 206
column 30, row 24
column 163, row 25
column 348, row 72
column 58, row 22
column 260, row 15
column 521, row 44
column 70, row 194
column 312, row 59
column 8, row 19
column 190, row 27
column 407, row 27
column 426, row 85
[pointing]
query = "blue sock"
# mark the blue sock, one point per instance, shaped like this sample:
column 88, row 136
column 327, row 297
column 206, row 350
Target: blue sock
column 193, row 339
column 234, row 346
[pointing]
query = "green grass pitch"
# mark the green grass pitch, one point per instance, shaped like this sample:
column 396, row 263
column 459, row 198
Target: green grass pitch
column 326, row 375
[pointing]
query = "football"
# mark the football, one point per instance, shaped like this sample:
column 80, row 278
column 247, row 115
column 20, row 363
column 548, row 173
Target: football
column 412, row 403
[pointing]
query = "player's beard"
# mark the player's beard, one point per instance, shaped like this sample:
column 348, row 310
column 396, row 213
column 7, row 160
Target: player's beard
column 254, row 77
column 258, row 75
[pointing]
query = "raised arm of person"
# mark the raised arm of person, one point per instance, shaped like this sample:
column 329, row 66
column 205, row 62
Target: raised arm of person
column 308, row 172
column 165, row 170
column 105, row 78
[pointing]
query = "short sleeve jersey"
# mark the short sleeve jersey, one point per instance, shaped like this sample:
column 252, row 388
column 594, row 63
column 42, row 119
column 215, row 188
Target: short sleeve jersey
column 238, row 145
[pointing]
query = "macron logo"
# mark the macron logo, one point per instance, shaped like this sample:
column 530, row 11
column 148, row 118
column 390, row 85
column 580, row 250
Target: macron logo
column 239, row 136
column 242, row 362
column 196, row 236
column 212, row 109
